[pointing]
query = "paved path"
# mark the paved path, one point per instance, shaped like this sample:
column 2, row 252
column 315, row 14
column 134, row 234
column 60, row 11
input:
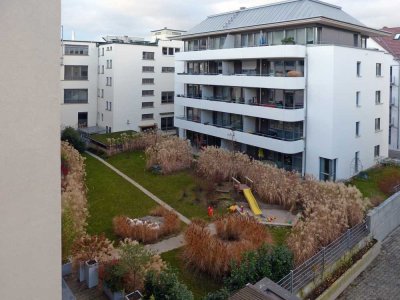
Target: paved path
column 148, row 193
column 381, row 280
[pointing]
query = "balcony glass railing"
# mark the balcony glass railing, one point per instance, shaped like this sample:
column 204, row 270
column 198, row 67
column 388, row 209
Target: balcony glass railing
column 251, row 101
column 290, row 73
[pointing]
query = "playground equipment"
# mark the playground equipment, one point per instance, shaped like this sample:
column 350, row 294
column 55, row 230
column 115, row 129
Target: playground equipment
column 248, row 195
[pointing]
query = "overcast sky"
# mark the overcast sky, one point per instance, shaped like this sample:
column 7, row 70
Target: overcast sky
column 92, row 19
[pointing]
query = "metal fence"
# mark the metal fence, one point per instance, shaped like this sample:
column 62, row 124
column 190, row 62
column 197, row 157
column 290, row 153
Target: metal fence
column 315, row 267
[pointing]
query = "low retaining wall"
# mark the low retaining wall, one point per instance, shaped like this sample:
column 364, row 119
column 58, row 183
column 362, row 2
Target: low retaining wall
column 384, row 218
column 348, row 277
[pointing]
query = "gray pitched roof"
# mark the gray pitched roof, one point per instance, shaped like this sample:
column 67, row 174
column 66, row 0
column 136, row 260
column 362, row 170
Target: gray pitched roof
column 291, row 10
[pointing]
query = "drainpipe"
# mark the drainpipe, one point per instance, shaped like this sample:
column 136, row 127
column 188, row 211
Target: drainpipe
column 305, row 113
column 398, row 104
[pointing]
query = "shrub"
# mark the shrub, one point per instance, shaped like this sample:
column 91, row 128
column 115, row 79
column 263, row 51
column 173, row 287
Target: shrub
column 221, row 294
column 165, row 285
column 133, row 141
column 68, row 233
column 109, row 273
column 90, row 247
column 170, row 153
column 145, row 233
column 267, row 261
column 212, row 254
column 73, row 137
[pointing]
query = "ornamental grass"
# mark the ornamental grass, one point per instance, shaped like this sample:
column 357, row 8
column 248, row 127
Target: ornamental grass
column 213, row 254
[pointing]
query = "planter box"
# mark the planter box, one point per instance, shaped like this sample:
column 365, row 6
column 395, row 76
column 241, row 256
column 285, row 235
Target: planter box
column 66, row 269
column 92, row 273
column 81, row 274
column 113, row 295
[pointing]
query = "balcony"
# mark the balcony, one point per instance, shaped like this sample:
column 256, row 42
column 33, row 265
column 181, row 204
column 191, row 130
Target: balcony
column 266, row 141
column 243, row 107
column 243, row 80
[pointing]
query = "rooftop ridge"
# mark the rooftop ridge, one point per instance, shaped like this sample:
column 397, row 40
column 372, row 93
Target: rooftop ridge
column 272, row 4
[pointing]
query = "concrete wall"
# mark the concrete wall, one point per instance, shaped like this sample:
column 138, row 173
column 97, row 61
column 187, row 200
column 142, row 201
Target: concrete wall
column 30, row 254
column 383, row 219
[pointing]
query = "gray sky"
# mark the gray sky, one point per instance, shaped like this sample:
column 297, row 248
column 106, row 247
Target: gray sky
column 92, row 19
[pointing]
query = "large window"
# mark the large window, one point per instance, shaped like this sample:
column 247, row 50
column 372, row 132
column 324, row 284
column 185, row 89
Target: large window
column 147, row 116
column 167, row 97
column 72, row 96
column 167, row 69
column 76, row 50
column 147, row 80
column 75, row 72
column 327, row 169
column 148, row 69
column 167, row 123
column 148, row 55
column 147, row 104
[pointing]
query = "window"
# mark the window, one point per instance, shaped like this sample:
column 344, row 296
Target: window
column 357, row 129
column 170, row 51
column 167, row 97
column 177, row 50
column 356, row 161
column 109, row 64
column 76, row 73
column 359, row 68
column 106, row 105
column 167, row 123
column 76, row 50
column 82, row 119
column 98, row 69
column 108, row 81
column 397, row 36
column 378, row 69
column 377, row 124
column 164, row 50
column 147, row 69
column 72, row 96
column 102, row 117
column 110, row 106
column 378, row 97
column 327, row 169
column 147, row 92
column 102, row 93
column 102, row 69
column 102, row 51
column 376, row 151
column 147, row 80
column 147, row 116
column 148, row 55
column 358, row 99
column 147, row 104
column 167, row 69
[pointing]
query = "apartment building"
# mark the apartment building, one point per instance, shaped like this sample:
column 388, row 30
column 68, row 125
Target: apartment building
column 391, row 45
column 136, row 82
column 291, row 83
column 78, row 84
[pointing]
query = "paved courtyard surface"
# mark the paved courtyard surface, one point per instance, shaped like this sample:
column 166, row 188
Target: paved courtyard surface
column 381, row 280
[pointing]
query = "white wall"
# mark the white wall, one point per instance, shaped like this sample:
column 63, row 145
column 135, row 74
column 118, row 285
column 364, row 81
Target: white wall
column 332, row 111
column 30, row 213
column 69, row 112
column 126, row 92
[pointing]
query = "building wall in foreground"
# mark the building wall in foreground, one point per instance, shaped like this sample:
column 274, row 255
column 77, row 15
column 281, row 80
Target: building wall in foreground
column 30, row 254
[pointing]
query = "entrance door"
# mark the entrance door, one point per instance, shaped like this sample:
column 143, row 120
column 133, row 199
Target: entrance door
column 82, row 119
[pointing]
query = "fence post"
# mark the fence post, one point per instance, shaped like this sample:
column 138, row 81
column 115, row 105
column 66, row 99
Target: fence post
column 348, row 238
column 323, row 263
column 291, row 281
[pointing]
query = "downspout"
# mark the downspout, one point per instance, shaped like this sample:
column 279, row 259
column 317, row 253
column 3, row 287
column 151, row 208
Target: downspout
column 305, row 113
column 398, row 100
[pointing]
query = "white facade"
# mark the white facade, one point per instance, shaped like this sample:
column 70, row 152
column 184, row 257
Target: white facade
column 136, row 85
column 78, row 94
column 393, row 98
column 315, row 103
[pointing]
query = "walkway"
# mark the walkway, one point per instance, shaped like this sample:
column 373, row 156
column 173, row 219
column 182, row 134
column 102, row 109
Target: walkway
column 137, row 185
column 381, row 280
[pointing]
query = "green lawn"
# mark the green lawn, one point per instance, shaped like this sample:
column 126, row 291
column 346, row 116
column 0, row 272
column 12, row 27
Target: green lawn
column 177, row 189
column 102, row 138
column 199, row 284
column 369, row 187
column 110, row 195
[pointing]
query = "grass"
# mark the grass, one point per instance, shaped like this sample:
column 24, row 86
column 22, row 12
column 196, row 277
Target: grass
column 279, row 234
column 176, row 189
column 110, row 195
column 369, row 187
column 199, row 284
column 102, row 138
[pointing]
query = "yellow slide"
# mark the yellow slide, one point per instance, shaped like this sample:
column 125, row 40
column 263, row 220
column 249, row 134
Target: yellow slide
column 252, row 202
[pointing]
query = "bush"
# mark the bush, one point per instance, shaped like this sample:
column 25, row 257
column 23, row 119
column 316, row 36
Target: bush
column 267, row 261
column 109, row 274
column 90, row 247
column 221, row 294
column 212, row 254
column 165, row 285
column 73, row 137
column 144, row 233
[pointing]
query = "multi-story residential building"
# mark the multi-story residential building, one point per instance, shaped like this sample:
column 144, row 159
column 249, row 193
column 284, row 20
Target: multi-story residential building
column 136, row 82
column 78, row 84
column 291, row 83
column 391, row 45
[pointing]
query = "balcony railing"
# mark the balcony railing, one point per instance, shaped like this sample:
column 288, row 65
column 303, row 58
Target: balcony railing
column 253, row 101
column 287, row 73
